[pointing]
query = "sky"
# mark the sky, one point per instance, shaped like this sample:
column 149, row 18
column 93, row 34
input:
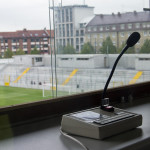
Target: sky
column 34, row 14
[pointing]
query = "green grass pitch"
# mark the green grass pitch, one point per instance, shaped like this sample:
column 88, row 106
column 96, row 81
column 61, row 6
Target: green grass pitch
column 14, row 95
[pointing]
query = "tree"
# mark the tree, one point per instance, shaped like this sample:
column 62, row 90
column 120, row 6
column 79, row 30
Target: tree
column 8, row 53
column 131, row 50
column 35, row 51
column 68, row 49
column 108, row 47
column 87, row 49
column 145, row 47
column 19, row 52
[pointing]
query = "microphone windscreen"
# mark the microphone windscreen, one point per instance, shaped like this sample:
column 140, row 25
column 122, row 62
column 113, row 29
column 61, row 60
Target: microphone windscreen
column 133, row 39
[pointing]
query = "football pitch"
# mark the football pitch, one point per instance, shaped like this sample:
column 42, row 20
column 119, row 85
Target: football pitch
column 14, row 95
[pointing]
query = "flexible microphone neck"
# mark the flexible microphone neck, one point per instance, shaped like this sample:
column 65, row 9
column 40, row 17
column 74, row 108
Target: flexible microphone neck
column 112, row 71
column 131, row 41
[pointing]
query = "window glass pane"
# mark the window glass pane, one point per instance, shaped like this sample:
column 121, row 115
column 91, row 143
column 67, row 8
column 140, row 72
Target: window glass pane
column 77, row 54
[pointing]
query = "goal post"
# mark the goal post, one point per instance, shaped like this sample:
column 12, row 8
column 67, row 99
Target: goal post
column 6, row 80
column 62, row 90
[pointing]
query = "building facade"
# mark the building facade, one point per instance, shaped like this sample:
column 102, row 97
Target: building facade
column 27, row 40
column 118, row 27
column 70, row 22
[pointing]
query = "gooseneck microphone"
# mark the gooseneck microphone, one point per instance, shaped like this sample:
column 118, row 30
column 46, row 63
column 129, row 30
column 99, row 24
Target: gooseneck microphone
column 131, row 41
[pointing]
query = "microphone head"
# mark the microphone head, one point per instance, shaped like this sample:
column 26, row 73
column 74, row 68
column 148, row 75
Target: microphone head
column 133, row 39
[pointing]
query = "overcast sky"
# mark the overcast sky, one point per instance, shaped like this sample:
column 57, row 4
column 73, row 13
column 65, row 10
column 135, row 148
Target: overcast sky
column 33, row 14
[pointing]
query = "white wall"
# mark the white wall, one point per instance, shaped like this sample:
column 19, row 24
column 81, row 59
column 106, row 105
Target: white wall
column 127, row 61
column 142, row 62
column 6, row 61
column 27, row 60
column 79, row 13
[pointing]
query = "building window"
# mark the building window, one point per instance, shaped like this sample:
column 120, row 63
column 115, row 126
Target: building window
column 63, row 18
column 64, row 42
column 95, row 35
column 44, row 39
column 129, row 33
column 82, row 32
column 70, row 14
column 72, row 41
column 36, row 34
column 113, row 35
column 122, row 26
column 67, row 15
column 145, row 33
column 82, row 58
column 38, row 59
column 77, row 32
column 1, row 40
column 33, row 46
column 114, row 43
column 81, row 25
column 37, row 40
column 101, row 28
column 101, row 35
column 24, row 46
column 14, row 47
column 89, row 36
column 45, row 45
column 148, row 25
column 107, row 27
column 129, row 26
column 68, row 41
column 77, row 47
column 81, row 40
column 14, row 40
column 94, row 29
column 100, row 44
column 63, row 26
column 89, row 28
column 6, row 41
column 32, row 40
column 71, row 29
column 24, row 40
column 122, row 42
column 106, row 35
column 144, row 25
column 77, row 40
column 137, row 25
column 113, row 27
column 60, row 31
column 122, row 34
column 67, row 29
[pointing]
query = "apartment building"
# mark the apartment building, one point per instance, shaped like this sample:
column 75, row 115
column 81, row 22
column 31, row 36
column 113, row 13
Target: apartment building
column 118, row 27
column 27, row 40
column 70, row 22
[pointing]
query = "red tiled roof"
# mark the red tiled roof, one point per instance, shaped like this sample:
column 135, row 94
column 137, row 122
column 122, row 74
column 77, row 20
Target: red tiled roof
column 52, row 33
column 27, row 33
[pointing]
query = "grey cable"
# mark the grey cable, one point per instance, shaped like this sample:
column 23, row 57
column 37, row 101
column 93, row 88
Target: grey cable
column 51, row 50
column 74, row 139
column 54, row 47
